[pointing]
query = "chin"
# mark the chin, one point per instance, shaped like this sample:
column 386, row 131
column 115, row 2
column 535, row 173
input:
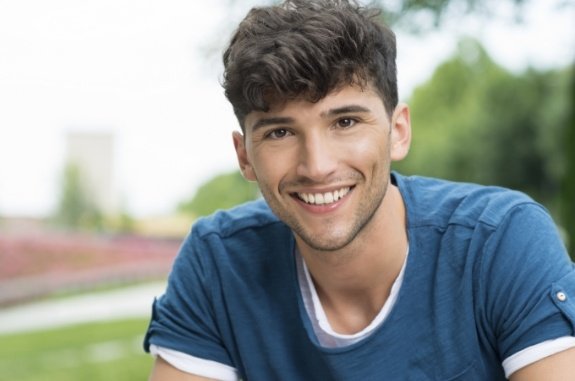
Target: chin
column 326, row 244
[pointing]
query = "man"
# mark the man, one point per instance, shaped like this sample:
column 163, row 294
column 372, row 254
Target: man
column 346, row 270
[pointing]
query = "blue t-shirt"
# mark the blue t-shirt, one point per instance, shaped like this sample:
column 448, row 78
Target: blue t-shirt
column 481, row 283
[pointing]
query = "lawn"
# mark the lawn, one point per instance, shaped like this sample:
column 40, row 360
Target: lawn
column 89, row 352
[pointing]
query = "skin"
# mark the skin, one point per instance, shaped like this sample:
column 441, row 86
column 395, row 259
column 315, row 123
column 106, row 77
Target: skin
column 559, row 367
column 354, row 247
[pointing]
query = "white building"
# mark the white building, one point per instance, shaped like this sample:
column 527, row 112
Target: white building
column 93, row 154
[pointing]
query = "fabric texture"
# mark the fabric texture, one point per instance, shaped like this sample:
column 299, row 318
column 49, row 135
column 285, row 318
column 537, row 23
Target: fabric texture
column 481, row 283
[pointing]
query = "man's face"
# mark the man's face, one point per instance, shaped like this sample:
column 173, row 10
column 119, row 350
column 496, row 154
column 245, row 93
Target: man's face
column 323, row 167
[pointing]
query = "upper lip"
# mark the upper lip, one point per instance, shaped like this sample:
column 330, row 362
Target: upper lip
column 322, row 190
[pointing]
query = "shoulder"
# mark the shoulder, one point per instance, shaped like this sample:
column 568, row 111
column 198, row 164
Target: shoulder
column 441, row 203
column 240, row 234
column 501, row 249
column 254, row 215
column 486, row 226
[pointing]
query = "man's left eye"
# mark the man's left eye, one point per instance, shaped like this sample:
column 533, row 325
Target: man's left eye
column 346, row 122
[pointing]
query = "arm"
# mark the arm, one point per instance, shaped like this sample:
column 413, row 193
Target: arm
column 560, row 366
column 184, row 318
column 534, row 303
column 164, row 371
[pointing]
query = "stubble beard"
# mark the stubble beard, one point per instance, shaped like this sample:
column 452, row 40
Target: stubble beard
column 362, row 217
column 361, row 220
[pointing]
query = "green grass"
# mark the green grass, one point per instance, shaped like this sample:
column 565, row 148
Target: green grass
column 88, row 352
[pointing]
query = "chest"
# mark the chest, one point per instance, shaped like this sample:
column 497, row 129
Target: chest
column 431, row 333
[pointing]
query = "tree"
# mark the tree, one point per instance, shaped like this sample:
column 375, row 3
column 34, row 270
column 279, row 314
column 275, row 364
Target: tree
column 220, row 192
column 76, row 209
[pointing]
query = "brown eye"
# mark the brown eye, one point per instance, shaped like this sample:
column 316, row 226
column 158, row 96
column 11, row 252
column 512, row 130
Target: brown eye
column 346, row 122
column 278, row 133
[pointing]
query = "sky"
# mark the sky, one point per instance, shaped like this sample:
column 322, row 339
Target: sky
column 149, row 73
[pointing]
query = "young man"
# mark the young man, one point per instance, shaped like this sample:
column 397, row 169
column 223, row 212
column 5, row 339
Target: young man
column 347, row 271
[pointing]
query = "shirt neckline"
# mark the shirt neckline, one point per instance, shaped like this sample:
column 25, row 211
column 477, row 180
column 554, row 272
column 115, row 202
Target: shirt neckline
column 322, row 329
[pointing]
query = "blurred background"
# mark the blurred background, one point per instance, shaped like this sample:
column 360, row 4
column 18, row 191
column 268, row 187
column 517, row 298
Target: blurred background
column 115, row 136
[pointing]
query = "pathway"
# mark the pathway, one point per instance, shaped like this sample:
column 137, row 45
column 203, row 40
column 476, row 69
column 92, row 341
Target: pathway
column 125, row 303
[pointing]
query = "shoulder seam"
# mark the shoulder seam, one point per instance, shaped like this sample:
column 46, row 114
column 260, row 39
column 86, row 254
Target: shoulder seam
column 227, row 232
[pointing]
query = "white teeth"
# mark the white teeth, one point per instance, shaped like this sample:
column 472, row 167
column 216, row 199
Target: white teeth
column 324, row 198
column 329, row 197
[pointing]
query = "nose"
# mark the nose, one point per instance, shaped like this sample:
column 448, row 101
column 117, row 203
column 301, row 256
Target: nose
column 317, row 157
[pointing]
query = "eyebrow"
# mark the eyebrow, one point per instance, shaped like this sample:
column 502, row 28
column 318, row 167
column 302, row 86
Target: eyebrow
column 344, row 110
column 263, row 122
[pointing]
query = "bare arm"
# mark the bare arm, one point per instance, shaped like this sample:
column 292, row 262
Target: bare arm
column 558, row 367
column 163, row 371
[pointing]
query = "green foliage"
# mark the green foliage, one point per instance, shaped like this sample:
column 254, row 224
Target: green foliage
column 474, row 121
column 221, row 192
column 76, row 209
column 568, row 185
column 94, row 352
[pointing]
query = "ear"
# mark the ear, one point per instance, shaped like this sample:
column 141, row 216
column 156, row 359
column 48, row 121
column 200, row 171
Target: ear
column 242, row 155
column 400, row 132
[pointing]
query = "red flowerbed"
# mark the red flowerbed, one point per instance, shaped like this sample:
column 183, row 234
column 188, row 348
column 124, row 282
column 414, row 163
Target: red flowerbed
column 40, row 264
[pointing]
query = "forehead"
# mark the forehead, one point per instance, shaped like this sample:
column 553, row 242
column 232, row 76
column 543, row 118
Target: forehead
column 365, row 98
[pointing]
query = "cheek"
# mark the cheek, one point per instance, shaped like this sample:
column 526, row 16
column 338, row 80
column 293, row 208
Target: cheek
column 369, row 148
column 269, row 168
column 370, row 156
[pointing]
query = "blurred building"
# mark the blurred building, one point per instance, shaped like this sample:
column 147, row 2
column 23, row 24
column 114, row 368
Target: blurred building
column 93, row 154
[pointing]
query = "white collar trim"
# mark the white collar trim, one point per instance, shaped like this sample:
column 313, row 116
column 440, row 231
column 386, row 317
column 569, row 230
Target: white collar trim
column 323, row 330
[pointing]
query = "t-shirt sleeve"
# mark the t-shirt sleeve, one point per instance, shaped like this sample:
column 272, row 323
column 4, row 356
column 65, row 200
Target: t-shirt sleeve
column 184, row 318
column 527, row 282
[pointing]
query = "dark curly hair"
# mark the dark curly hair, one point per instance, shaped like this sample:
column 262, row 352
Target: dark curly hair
column 308, row 48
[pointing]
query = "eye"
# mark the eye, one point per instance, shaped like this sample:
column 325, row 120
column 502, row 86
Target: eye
column 346, row 122
column 278, row 133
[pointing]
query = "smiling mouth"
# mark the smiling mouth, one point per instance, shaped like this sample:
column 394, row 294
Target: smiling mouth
column 323, row 198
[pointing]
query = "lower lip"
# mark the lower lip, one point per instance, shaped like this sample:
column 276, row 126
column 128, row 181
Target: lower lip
column 325, row 208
